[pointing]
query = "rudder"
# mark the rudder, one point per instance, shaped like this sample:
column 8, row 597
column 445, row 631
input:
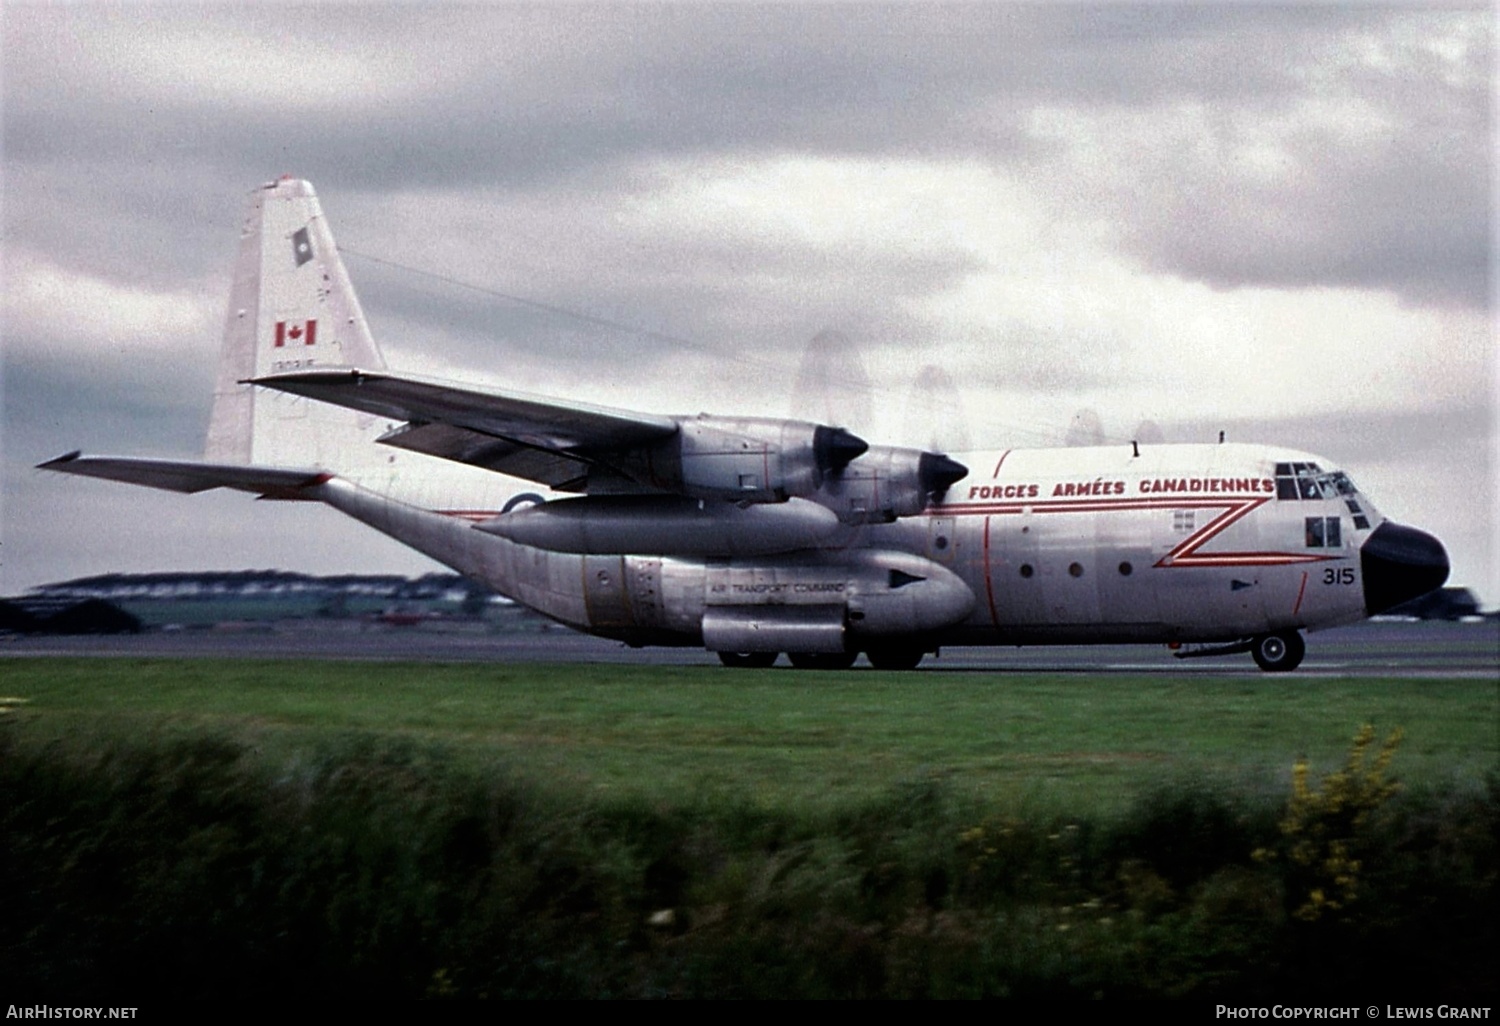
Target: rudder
column 291, row 306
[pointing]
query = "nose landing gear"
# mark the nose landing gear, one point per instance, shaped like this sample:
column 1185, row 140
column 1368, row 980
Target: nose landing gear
column 1279, row 652
column 1274, row 653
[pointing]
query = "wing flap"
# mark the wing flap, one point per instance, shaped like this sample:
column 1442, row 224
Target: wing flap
column 560, row 444
column 190, row 477
column 528, row 420
column 498, row 454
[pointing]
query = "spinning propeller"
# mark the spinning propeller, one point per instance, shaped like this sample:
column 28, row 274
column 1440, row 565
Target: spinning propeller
column 832, row 386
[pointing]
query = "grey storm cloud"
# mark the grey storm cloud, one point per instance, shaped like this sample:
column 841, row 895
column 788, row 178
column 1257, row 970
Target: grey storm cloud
column 532, row 97
column 516, row 91
column 1408, row 212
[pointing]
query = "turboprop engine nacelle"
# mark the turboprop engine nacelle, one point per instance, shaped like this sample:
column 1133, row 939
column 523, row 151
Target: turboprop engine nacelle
column 889, row 482
column 745, row 459
column 666, row 525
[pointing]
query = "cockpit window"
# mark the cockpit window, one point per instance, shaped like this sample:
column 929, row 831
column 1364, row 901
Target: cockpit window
column 1308, row 481
column 1286, row 482
column 1361, row 522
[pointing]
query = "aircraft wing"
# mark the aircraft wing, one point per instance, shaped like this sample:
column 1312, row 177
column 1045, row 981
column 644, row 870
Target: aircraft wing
column 527, row 436
column 184, row 476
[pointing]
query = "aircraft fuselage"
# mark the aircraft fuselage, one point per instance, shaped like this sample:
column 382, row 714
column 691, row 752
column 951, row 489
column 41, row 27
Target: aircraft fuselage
column 1160, row 543
column 754, row 536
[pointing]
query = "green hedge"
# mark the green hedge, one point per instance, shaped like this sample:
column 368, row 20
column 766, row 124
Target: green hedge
column 370, row 867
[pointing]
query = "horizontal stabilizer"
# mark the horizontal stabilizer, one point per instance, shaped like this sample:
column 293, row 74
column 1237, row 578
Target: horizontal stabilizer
column 184, row 476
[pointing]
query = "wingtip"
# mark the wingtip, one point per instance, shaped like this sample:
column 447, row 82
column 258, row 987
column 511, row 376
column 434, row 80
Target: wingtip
column 67, row 457
column 318, row 374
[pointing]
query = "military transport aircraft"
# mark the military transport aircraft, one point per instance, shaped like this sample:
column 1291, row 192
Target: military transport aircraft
column 753, row 536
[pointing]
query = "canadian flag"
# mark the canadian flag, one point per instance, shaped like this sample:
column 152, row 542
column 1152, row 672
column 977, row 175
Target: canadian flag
column 305, row 332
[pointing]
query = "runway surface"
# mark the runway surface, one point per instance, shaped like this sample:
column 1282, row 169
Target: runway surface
column 1387, row 649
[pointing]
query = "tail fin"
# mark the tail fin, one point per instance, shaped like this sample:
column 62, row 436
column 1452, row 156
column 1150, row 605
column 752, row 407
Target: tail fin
column 291, row 306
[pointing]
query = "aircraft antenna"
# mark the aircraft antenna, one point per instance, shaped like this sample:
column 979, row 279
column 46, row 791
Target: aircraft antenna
column 739, row 356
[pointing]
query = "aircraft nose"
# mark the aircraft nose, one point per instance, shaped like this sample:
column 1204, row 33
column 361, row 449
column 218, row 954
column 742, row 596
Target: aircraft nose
column 1400, row 563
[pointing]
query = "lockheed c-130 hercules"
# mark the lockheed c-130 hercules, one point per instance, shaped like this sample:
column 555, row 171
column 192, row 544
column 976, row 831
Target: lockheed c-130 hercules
column 752, row 536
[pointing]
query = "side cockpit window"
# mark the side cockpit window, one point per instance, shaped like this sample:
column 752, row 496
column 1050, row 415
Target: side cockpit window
column 1344, row 488
column 1323, row 533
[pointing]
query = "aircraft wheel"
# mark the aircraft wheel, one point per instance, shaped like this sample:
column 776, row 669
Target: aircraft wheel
column 895, row 658
column 748, row 660
column 822, row 660
column 1279, row 653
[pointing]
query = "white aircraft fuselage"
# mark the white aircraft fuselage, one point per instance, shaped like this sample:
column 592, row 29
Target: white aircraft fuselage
column 1173, row 544
column 753, row 536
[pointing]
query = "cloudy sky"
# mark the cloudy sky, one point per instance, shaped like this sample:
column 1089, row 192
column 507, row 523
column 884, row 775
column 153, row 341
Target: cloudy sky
column 1273, row 220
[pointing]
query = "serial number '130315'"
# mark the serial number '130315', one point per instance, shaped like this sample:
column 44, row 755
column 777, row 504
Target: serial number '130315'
column 1338, row 575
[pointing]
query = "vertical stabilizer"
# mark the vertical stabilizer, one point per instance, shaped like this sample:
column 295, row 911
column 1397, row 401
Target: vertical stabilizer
column 291, row 307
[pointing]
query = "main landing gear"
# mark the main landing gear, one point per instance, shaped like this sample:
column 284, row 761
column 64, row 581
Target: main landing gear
column 822, row 660
column 748, row 660
column 892, row 658
column 895, row 657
